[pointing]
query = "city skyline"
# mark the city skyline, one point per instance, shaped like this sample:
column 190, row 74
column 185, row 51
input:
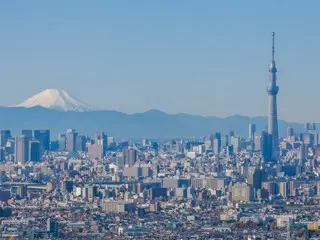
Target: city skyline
column 138, row 186
column 157, row 120
column 186, row 62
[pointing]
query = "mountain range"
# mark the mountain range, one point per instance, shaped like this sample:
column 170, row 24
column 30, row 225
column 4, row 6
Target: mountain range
column 57, row 110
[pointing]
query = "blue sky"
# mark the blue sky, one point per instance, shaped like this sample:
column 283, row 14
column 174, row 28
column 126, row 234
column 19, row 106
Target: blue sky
column 201, row 57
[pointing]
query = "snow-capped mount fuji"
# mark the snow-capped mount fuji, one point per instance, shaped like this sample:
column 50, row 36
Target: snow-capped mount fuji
column 57, row 99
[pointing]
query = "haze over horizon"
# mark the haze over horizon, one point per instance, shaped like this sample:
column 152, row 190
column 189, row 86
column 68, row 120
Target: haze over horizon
column 207, row 58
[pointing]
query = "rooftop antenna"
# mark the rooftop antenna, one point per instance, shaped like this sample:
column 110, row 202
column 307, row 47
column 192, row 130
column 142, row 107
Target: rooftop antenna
column 273, row 35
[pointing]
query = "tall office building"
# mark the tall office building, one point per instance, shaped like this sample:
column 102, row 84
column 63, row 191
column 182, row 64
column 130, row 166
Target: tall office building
column 257, row 177
column 289, row 132
column 308, row 139
column 266, row 147
column 303, row 152
column 252, row 130
column 62, row 140
column 315, row 138
column 257, row 142
column 2, row 154
column 283, row 189
column 4, row 136
column 230, row 151
column 34, row 151
column 130, row 156
column 71, row 138
column 22, row 149
column 27, row 133
column 81, row 143
column 273, row 90
column 216, row 146
column 216, row 142
column 235, row 142
column 10, row 146
column 225, row 140
column 43, row 136
column 231, row 133
column 98, row 149
column 310, row 126
column 272, row 187
column 101, row 139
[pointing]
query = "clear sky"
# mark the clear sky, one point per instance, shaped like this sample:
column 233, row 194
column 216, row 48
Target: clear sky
column 201, row 57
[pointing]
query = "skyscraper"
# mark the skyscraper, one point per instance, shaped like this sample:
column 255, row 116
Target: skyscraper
column 2, row 154
column 257, row 177
column 252, row 130
column 130, row 156
column 22, row 149
column 71, row 140
column 225, row 140
column 235, row 142
column 81, row 143
column 266, row 146
column 43, row 136
column 62, row 142
column 101, row 139
column 34, row 151
column 231, row 133
column 4, row 136
column 215, row 139
column 310, row 126
column 216, row 146
column 273, row 90
column 27, row 133
column 289, row 133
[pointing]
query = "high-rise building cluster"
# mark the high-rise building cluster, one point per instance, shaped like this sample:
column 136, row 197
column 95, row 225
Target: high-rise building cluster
column 138, row 180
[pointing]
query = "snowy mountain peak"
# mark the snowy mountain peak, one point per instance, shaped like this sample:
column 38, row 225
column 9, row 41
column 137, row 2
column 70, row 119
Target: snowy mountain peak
column 56, row 99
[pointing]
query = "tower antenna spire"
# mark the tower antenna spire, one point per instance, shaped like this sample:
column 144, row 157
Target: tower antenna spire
column 273, row 115
column 273, row 35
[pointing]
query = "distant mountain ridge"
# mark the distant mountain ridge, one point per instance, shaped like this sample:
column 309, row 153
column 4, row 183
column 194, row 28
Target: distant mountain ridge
column 150, row 124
